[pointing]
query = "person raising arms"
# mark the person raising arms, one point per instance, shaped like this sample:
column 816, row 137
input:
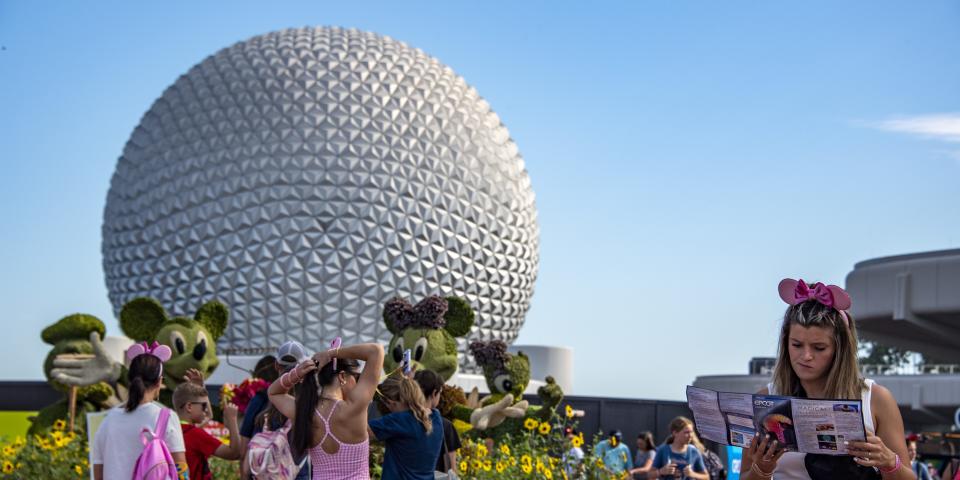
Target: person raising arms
column 817, row 358
column 329, row 413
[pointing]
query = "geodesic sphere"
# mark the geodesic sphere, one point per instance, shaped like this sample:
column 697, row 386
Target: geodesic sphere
column 306, row 176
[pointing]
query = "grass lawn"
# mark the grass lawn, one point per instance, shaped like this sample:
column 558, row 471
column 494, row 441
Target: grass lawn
column 13, row 424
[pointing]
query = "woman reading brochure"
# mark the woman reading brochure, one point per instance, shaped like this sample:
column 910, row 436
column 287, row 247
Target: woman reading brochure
column 817, row 359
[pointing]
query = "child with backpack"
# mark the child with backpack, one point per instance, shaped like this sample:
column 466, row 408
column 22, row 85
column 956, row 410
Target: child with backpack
column 141, row 439
column 193, row 407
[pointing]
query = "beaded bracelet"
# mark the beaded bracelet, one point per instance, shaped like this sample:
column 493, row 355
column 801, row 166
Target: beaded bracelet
column 760, row 472
column 895, row 467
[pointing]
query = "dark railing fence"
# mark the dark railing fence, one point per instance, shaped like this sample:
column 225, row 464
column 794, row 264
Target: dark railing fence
column 630, row 416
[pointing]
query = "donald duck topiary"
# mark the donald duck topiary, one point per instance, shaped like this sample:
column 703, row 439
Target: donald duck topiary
column 507, row 377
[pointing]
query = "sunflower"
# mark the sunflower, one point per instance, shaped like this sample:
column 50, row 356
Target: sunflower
column 526, row 460
column 530, row 424
column 482, row 450
column 501, row 467
column 7, row 466
column 9, row 451
column 547, row 474
column 544, row 428
column 463, row 466
column 59, row 425
column 569, row 411
column 487, row 465
column 505, row 449
column 78, row 469
column 526, row 468
column 577, row 442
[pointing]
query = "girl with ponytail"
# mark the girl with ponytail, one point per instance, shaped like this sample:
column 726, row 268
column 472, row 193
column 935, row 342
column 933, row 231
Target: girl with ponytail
column 117, row 445
column 329, row 412
column 412, row 432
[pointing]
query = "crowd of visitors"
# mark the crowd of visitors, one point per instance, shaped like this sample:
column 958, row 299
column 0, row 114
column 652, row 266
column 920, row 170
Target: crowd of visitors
column 312, row 421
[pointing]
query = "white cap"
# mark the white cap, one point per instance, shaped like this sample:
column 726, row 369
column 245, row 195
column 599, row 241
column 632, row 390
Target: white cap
column 291, row 353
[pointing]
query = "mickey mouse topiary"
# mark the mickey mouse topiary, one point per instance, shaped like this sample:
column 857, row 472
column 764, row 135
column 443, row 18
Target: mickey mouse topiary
column 192, row 341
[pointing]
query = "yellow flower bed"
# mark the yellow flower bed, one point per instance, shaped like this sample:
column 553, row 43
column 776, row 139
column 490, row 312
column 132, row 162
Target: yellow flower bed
column 535, row 453
column 53, row 454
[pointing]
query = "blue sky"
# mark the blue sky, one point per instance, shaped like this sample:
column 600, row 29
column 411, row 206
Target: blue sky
column 685, row 155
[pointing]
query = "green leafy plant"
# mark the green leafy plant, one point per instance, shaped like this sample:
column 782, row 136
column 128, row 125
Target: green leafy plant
column 224, row 469
column 52, row 453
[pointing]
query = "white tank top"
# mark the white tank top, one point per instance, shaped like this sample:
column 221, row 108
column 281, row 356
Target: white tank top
column 791, row 466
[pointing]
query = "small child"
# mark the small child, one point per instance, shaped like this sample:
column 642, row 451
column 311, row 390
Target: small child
column 193, row 408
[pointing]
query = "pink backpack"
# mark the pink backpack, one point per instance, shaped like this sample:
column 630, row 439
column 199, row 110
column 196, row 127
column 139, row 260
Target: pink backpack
column 269, row 454
column 155, row 462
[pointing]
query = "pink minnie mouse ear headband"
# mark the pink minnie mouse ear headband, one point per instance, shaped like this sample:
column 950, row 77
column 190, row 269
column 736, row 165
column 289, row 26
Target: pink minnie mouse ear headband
column 335, row 344
column 162, row 352
column 797, row 291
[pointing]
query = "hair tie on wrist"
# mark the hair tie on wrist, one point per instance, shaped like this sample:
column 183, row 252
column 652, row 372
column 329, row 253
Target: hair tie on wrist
column 895, row 467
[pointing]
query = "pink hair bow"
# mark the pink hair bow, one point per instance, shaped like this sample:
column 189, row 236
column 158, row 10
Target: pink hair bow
column 162, row 352
column 797, row 291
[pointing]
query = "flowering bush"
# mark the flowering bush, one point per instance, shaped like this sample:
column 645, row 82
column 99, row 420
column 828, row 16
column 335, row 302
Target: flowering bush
column 536, row 452
column 53, row 453
column 240, row 395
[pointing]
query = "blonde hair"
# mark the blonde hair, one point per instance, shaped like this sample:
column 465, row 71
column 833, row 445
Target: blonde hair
column 187, row 392
column 843, row 379
column 407, row 392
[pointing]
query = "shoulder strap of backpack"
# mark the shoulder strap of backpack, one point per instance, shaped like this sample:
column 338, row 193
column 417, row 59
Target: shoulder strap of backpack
column 161, row 431
column 446, row 452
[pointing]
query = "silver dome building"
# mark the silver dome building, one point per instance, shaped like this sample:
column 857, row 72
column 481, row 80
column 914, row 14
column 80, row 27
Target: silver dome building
column 304, row 177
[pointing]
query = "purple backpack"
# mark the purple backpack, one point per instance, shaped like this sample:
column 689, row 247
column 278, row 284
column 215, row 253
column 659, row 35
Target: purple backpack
column 155, row 462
